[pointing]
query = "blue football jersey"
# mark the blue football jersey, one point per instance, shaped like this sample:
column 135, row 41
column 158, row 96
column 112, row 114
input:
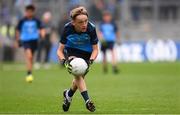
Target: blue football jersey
column 108, row 31
column 82, row 41
column 29, row 29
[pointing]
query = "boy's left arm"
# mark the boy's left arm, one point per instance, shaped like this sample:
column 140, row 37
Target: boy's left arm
column 41, row 28
column 94, row 53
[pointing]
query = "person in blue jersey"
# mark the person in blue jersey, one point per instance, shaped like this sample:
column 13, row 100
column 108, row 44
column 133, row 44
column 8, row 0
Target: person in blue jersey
column 78, row 39
column 28, row 31
column 108, row 34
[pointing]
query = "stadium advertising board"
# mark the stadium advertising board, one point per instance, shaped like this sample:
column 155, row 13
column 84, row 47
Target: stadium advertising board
column 153, row 50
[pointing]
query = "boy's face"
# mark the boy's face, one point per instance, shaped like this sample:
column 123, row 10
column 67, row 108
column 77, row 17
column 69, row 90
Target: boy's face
column 107, row 18
column 80, row 23
column 29, row 13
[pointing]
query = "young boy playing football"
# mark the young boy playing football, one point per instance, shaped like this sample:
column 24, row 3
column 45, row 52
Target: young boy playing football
column 78, row 39
column 108, row 34
column 28, row 32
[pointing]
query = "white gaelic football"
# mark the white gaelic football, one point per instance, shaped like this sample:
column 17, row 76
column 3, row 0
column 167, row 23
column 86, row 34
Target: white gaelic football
column 79, row 66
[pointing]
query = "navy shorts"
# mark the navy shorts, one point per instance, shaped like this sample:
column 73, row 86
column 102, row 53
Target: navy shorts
column 68, row 52
column 32, row 44
column 107, row 45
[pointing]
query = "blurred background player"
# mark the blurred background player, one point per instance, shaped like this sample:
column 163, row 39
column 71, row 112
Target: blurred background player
column 78, row 39
column 108, row 34
column 28, row 32
column 45, row 44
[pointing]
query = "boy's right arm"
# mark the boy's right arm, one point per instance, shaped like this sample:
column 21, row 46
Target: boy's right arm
column 62, row 58
column 17, row 34
column 17, row 41
column 60, row 52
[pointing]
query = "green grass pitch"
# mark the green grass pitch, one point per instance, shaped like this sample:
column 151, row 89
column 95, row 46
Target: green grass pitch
column 140, row 88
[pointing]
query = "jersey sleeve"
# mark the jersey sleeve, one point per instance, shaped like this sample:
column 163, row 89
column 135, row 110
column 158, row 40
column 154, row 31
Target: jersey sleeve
column 94, row 38
column 40, row 25
column 19, row 25
column 63, row 39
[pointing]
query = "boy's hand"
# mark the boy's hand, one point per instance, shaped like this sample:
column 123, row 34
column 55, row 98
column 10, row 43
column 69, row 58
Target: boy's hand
column 103, row 42
column 18, row 44
column 89, row 63
column 67, row 65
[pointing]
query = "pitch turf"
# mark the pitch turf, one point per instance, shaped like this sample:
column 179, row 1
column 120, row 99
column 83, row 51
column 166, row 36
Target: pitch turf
column 139, row 88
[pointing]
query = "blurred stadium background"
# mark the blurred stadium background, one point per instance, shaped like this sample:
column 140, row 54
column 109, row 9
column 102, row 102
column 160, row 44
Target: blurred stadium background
column 145, row 25
column 150, row 32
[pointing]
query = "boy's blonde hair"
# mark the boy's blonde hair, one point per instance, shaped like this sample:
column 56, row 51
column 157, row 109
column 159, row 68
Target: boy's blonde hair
column 78, row 11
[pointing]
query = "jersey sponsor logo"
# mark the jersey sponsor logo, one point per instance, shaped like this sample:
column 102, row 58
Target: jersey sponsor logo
column 29, row 27
column 79, row 39
column 108, row 32
column 29, row 31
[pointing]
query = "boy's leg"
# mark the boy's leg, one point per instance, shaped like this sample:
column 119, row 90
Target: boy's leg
column 81, row 85
column 113, row 55
column 47, row 48
column 104, row 62
column 78, row 83
column 38, row 56
column 114, row 61
column 103, row 49
column 39, row 50
column 71, row 91
column 29, row 60
column 29, row 63
column 68, row 94
column 47, row 51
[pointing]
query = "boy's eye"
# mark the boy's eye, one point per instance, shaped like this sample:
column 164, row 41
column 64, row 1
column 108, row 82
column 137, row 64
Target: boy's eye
column 81, row 22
